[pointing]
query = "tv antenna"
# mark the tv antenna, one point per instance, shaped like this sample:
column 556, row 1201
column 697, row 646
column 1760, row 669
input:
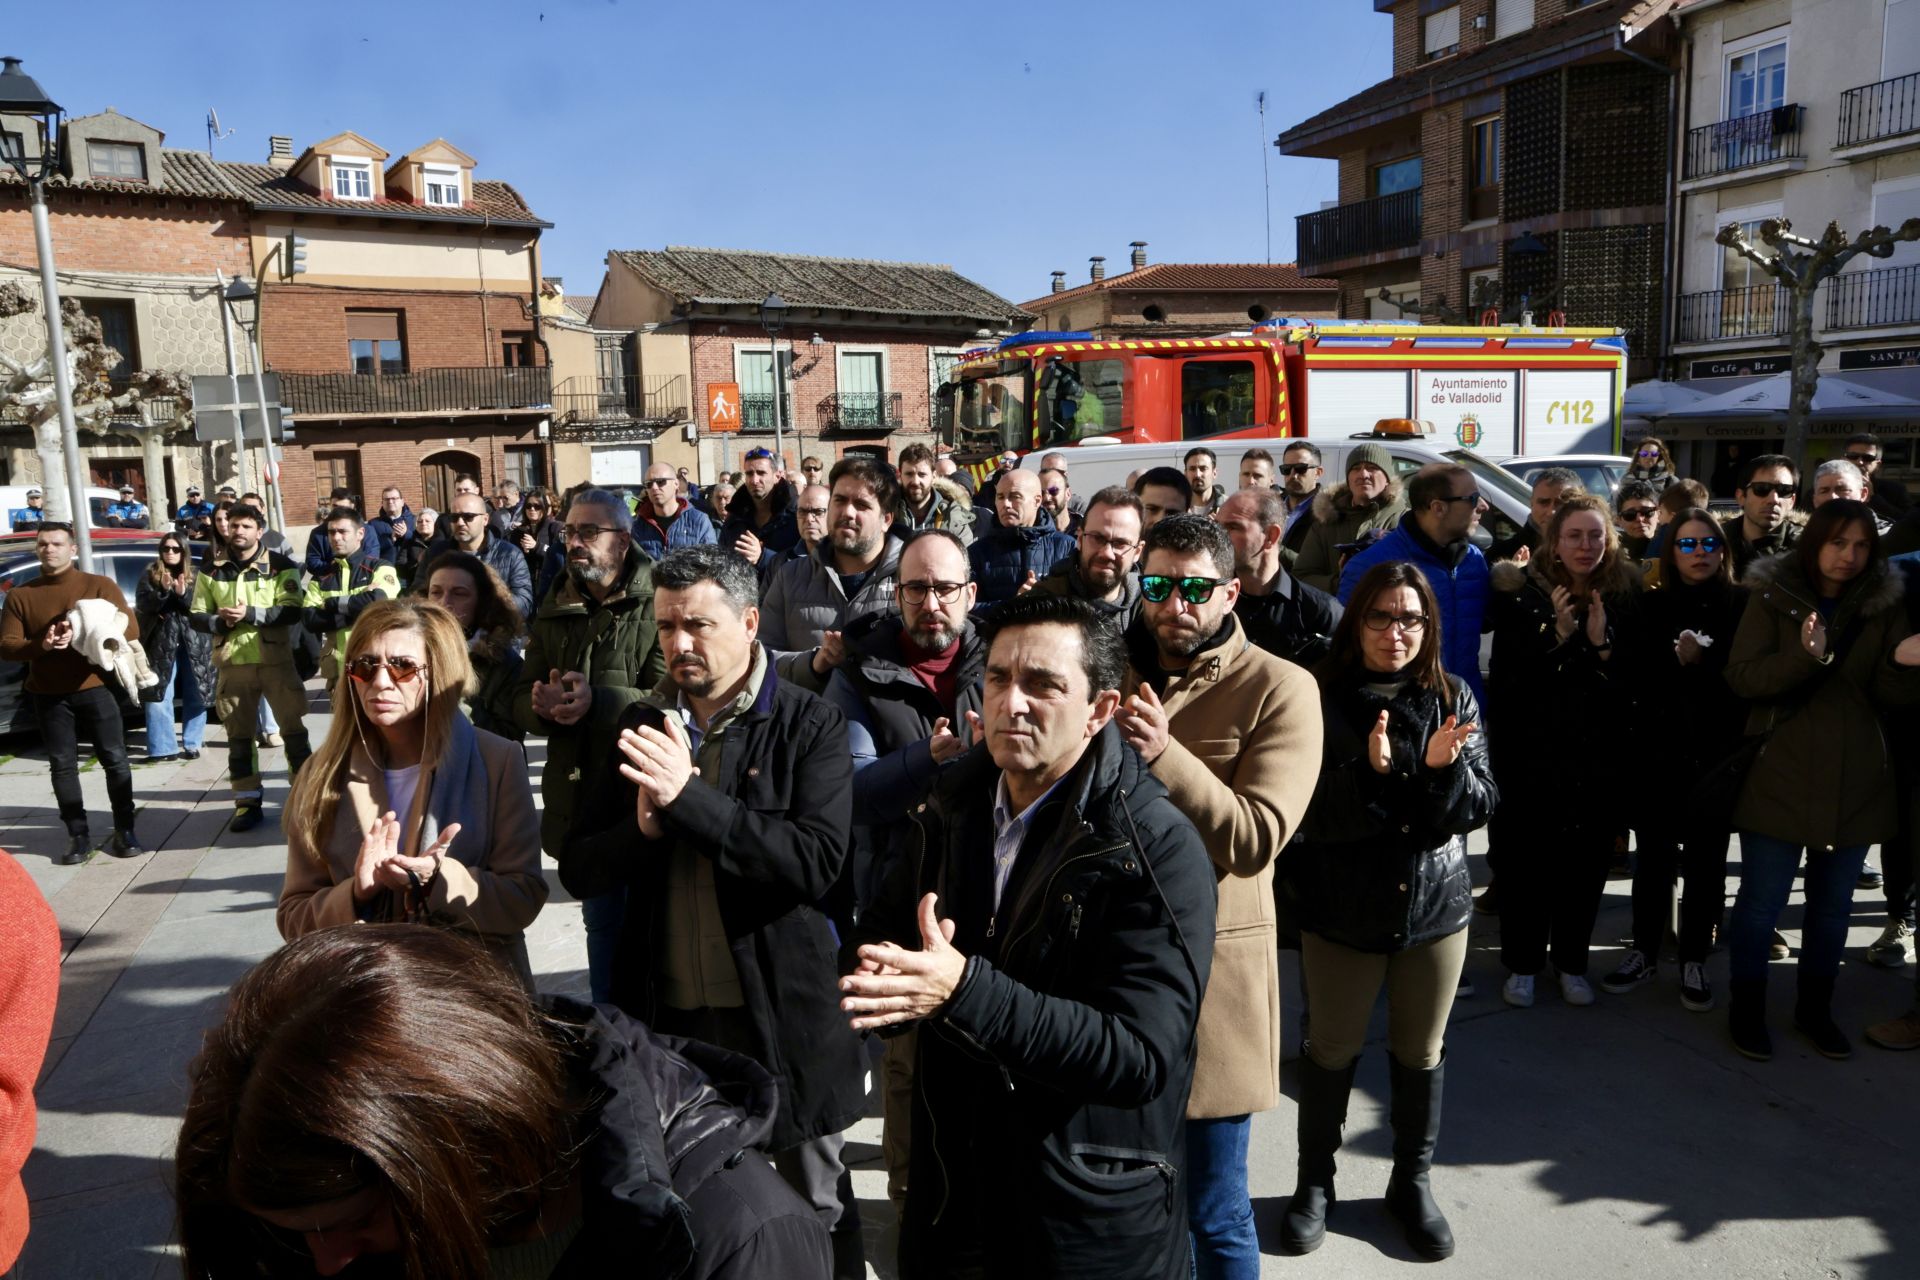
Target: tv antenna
column 214, row 132
column 1266, row 182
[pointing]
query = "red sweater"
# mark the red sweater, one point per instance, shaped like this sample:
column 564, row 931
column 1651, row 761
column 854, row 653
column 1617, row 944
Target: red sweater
column 29, row 982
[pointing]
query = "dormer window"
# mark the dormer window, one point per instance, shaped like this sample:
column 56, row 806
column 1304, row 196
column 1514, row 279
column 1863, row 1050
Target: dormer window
column 442, row 185
column 352, row 180
column 117, row 161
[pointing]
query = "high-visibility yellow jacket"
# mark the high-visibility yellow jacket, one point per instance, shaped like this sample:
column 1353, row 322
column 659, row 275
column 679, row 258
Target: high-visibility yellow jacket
column 268, row 587
column 337, row 594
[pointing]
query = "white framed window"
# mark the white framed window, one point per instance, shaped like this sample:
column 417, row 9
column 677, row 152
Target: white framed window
column 1736, row 270
column 1442, row 32
column 440, row 185
column 1756, row 73
column 1894, row 201
column 352, row 180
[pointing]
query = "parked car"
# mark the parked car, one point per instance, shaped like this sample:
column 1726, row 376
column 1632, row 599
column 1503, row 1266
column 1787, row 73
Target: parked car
column 14, row 496
column 1094, row 466
column 120, row 554
column 1601, row 473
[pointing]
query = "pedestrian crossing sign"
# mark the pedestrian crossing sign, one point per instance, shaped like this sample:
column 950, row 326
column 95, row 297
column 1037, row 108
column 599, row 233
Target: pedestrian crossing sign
column 723, row 406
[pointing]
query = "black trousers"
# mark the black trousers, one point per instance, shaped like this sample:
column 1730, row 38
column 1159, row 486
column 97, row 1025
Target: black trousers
column 1550, row 889
column 1699, row 860
column 64, row 718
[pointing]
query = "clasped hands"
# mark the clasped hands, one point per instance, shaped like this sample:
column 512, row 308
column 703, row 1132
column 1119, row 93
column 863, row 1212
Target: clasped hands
column 892, row 985
column 380, row 865
column 562, row 698
column 658, row 765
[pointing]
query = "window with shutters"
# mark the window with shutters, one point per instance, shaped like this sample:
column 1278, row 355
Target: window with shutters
column 516, row 349
column 442, row 185
column 118, row 161
column 1511, row 17
column 334, row 471
column 376, row 342
column 1442, row 32
column 1483, row 168
column 525, row 465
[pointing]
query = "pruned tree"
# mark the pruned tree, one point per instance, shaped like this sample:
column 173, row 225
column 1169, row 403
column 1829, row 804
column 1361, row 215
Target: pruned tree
column 1800, row 266
column 151, row 405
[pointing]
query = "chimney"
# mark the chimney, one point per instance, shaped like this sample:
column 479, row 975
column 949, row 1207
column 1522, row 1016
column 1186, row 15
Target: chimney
column 1099, row 269
column 280, row 152
column 1139, row 254
column 1059, row 282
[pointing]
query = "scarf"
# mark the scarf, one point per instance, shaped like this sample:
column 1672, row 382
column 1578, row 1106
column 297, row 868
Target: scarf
column 938, row 671
column 458, row 792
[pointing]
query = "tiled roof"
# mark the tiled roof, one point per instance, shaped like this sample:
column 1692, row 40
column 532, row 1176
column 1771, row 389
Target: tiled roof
column 738, row 276
column 266, row 187
column 1433, row 80
column 197, row 175
column 1196, row 277
column 580, row 302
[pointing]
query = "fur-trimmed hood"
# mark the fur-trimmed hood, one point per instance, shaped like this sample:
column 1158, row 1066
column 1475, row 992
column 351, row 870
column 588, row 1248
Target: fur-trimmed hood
column 1334, row 501
column 494, row 645
column 1779, row 577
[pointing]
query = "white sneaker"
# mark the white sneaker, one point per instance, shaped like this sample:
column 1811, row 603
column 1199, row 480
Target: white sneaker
column 1575, row 990
column 1518, row 990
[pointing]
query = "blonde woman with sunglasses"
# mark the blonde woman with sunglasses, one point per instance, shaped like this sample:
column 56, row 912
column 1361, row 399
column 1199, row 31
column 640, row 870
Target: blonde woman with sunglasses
column 407, row 812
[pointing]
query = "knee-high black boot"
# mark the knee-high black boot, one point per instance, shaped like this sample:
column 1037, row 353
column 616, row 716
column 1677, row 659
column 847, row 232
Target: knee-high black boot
column 1415, row 1115
column 1813, row 1017
column 1323, row 1112
column 1747, row 1018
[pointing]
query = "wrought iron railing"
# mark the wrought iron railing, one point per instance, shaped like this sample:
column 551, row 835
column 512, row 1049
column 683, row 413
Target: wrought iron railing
column 861, row 411
column 657, row 398
column 756, row 412
column 1743, row 142
column 1865, row 299
column 1883, row 110
column 1352, row 230
column 418, row 391
column 1753, row 312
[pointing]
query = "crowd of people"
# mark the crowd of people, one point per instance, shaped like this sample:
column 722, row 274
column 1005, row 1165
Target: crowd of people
column 1012, row 792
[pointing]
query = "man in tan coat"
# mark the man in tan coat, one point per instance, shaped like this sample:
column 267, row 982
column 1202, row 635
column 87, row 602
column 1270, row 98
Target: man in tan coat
column 1234, row 734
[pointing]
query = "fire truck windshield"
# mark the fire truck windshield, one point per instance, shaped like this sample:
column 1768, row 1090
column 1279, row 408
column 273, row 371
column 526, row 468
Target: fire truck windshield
column 1080, row 398
column 987, row 414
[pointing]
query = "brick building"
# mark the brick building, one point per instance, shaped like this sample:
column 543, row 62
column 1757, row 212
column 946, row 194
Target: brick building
column 862, row 347
column 1519, row 150
column 140, row 231
column 398, row 307
column 1180, row 299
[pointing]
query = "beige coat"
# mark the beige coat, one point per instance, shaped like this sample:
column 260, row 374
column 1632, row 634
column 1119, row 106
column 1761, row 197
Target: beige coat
column 496, row 900
column 1242, row 763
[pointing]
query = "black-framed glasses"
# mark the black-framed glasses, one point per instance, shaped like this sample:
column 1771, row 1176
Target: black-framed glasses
column 1639, row 513
column 464, row 516
column 1691, row 546
column 1767, row 488
column 1158, row 586
column 944, row 592
column 1471, row 499
column 402, row 669
column 1381, row 619
column 1107, row 542
column 585, row 532
column 1297, row 468
column 812, row 513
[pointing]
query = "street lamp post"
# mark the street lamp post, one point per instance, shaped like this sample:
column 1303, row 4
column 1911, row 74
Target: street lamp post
column 773, row 316
column 20, row 95
column 244, row 298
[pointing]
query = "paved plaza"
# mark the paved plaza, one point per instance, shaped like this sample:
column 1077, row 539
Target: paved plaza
column 1623, row 1140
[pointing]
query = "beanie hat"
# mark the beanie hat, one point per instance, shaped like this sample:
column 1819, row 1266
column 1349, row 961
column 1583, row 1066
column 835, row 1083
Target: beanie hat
column 1374, row 454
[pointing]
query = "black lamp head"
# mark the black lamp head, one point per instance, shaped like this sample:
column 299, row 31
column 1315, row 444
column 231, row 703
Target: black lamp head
column 21, row 95
column 773, row 313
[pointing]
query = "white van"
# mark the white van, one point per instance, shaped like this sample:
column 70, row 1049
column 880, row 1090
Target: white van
column 14, row 496
column 1092, row 466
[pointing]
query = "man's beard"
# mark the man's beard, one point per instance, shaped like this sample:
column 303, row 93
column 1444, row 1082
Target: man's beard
column 934, row 635
column 1101, row 577
column 854, row 542
column 1179, row 641
column 693, row 677
column 589, row 572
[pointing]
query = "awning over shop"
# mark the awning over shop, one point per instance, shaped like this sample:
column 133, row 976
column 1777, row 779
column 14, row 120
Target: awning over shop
column 1884, row 401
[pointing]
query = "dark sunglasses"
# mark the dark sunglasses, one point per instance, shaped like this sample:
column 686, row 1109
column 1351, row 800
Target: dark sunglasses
column 1471, row 499
column 1767, row 488
column 1296, row 468
column 465, row 515
column 1863, row 459
column 754, row 455
column 1380, row 620
column 1688, row 546
column 655, row 484
column 1639, row 513
column 1157, row 587
column 404, row 670
column 1647, row 453
column 1053, row 491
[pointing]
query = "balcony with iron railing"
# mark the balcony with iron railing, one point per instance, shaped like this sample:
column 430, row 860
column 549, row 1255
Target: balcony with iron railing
column 756, row 413
column 657, row 400
column 1883, row 111
column 1871, row 299
column 475, row 389
column 861, row 411
column 1367, row 227
column 1732, row 147
column 1756, row 311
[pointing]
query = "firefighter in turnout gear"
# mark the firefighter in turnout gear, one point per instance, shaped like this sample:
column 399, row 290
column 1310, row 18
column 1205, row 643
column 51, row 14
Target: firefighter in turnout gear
column 354, row 577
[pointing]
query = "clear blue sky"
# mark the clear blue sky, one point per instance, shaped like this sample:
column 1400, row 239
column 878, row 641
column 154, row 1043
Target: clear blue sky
column 1007, row 140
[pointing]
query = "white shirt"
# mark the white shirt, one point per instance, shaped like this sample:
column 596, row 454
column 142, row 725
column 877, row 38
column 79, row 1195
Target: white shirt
column 1009, row 833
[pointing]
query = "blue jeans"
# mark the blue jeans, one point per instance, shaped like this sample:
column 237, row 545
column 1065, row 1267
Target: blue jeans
column 160, row 737
column 603, row 914
column 1767, row 865
column 1219, row 1214
column 266, row 723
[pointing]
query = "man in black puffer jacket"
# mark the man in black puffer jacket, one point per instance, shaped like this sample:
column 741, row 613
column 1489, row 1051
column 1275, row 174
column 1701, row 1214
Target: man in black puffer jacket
column 1015, row 553
column 1057, row 999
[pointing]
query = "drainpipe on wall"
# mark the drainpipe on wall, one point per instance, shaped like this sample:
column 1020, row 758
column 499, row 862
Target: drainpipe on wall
column 546, row 355
column 1682, row 99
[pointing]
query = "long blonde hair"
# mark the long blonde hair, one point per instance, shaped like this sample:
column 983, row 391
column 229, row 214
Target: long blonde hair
column 316, row 793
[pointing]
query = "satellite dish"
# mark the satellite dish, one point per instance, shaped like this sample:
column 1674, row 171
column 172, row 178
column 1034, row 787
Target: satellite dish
column 214, row 132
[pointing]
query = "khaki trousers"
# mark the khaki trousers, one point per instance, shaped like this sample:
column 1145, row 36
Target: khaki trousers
column 236, row 699
column 1343, row 984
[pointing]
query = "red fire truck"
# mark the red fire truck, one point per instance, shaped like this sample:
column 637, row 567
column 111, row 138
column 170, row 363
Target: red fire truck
column 1499, row 390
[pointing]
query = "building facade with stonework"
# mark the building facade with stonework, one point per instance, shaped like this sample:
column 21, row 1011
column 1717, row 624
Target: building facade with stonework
column 1180, row 299
column 143, row 235
column 1516, row 159
column 862, row 347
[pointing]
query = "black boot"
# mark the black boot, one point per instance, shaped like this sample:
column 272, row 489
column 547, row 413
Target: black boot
column 1813, row 1017
column 1414, row 1112
column 1323, row 1112
column 1747, row 1018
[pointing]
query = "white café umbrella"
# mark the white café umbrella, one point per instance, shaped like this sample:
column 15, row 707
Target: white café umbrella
column 1658, row 398
column 1833, row 398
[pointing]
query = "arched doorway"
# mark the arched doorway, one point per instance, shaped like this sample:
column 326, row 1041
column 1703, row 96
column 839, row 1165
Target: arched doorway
column 437, row 472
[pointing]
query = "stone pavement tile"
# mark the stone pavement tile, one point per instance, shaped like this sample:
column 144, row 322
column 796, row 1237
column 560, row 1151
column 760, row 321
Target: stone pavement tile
column 113, row 1233
column 185, row 968
column 122, row 1142
column 106, row 1065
